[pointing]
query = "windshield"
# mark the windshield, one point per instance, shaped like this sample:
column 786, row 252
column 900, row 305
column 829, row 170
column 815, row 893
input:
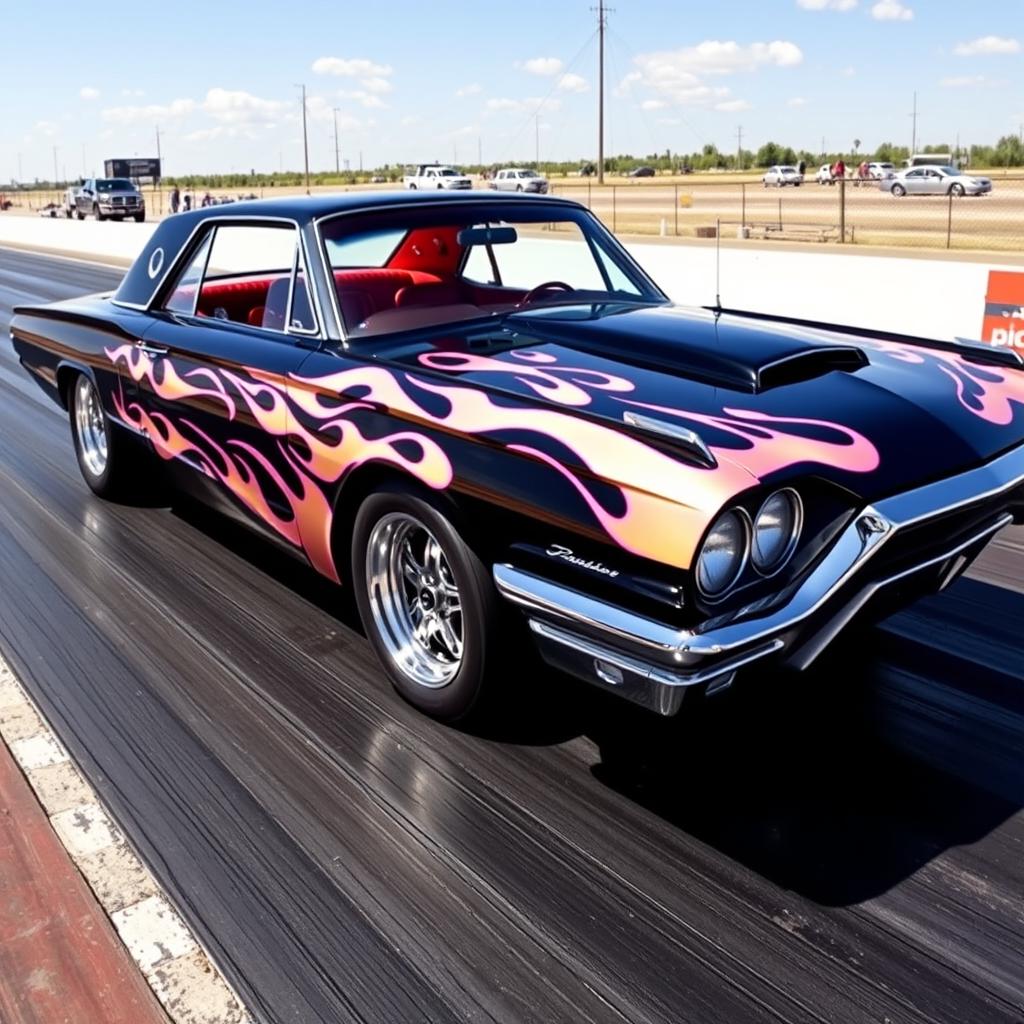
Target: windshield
column 424, row 266
column 788, row 170
column 447, row 172
column 114, row 185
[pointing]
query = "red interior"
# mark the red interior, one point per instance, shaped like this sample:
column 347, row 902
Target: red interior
column 421, row 273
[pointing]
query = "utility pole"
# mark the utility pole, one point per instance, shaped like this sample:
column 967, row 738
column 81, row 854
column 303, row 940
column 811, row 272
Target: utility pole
column 913, row 128
column 54, row 166
column 602, row 25
column 739, row 148
column 159, row 160
column 480, row 151
column 19, row 169
column 536, row 139
column 337, row 157
column 823, row 147
column 305, row 136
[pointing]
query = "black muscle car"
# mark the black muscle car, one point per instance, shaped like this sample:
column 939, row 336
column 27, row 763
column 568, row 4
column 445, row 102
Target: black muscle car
column 466, row 406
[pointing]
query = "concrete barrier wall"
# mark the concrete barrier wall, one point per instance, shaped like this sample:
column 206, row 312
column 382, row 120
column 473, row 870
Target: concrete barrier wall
column 926, row 297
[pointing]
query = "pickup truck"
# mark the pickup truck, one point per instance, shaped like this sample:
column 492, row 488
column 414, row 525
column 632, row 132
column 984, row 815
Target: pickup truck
column 116, row 198
column 436, row 176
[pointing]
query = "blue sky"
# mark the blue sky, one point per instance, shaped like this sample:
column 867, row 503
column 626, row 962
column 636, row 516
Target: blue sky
column 435, row 79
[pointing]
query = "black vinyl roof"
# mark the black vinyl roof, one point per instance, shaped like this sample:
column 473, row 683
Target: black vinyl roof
column 303, row 208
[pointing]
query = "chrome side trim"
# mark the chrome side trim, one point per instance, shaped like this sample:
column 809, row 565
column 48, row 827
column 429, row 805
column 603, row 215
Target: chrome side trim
column 690, row 438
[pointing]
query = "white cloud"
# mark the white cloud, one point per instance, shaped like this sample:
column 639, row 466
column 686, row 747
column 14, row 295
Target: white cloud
column 671, row 121
column 239, row 107
column 174, row 110
column 469, row 90
column 133, row 93
column 542, row 65
column 963, row 81
column 47, row 128
column 986, row 46
column 821, row 5
column 367, row 99
column 653, row 105
column 849, row 71
column 796, row 101
column 679, row 76
column 573, row 83
column 354, row 67
column 891, row 10
column 377, row 85
column 732, row 106
column 89, row 92
column 531, row 105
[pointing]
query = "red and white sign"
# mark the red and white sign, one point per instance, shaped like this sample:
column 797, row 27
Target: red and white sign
column 1003, row 324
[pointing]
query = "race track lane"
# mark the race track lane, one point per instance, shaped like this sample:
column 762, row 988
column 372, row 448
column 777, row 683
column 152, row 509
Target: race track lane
column 797, row 852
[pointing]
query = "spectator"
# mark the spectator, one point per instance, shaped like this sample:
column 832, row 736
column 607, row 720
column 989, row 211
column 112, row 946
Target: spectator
column 187, row 203
column 175, row 199
column 207, row 200
column 801, row 167
column 839, row 170
column 863, row 171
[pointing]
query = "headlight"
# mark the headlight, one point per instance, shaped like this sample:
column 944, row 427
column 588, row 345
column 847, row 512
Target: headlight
column 776, row 530
column 724, row 553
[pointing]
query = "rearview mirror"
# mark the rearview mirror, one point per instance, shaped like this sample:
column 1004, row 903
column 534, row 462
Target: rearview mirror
column 487, row 236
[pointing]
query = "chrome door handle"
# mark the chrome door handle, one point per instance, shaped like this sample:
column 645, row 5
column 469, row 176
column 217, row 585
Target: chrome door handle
column 151, row 350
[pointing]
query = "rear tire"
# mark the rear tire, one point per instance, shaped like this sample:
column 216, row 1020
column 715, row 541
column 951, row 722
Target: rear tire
column 427, row 603
column 111, row 462
column 898, row 191
column 139, row 218
column 79, row 215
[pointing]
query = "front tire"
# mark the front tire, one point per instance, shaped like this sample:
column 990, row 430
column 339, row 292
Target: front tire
column 96, row 213
column 899, row 191
column 79, row 215
column 956, row 189
column 107, row 458
column 426, row 601
column 139, row 218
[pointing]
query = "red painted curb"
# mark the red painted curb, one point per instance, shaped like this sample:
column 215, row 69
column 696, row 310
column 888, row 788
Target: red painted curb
column 61, row 961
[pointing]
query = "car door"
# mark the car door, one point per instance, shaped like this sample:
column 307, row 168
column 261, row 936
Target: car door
column 83, row 201
column 931, row 182
column 210, row 375
column 915, row 181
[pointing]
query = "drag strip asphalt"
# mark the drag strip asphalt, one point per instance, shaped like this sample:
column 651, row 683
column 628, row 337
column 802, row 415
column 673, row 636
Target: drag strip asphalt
column 844, row 847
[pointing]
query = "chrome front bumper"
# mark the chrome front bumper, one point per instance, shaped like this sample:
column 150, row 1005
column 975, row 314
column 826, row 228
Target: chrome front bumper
column 652, row 663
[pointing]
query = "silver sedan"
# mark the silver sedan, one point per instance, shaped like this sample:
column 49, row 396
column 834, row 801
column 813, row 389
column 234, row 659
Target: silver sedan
column 516, row 179
column 781, row 175
column 935, row 181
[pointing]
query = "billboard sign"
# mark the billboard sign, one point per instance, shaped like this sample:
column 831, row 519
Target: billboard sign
column 132, row 168
column 1003, row 322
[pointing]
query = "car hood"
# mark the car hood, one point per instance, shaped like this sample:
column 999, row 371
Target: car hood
column 871, row 415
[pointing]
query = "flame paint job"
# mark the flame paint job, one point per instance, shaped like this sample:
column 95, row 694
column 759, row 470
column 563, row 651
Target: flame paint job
column 988, row 392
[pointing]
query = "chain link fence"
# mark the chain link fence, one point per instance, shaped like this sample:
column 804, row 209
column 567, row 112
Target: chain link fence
column 847, row 212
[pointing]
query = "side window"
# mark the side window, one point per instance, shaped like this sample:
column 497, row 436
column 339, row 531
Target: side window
column 248, row 274
column 183, row 298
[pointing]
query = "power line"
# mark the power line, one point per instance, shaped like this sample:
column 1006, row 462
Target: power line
column 305, row 136
column 913, row 130
column 739, row 147
column 602, row 25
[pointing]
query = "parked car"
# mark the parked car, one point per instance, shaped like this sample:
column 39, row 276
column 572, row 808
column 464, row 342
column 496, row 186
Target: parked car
column 481, row 428
column 935, row 181
column 781, row 175
column 517, row 179
column 882, row 169
column 113, row 198
column 824, row 175
column 436, row 176
column 641, row 172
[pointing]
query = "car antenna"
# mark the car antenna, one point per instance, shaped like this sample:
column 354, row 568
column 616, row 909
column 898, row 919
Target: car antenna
column 718, row 268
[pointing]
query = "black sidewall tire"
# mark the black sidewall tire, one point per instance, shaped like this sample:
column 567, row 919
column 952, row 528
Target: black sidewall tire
column 464, row 694
column 131, row 471
column 104, row 483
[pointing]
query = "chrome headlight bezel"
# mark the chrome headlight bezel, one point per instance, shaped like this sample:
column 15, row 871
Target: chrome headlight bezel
column 781, row 560
column 723, row 591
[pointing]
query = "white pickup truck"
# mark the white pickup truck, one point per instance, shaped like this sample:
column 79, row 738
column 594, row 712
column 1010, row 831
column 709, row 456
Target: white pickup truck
column 436, row 176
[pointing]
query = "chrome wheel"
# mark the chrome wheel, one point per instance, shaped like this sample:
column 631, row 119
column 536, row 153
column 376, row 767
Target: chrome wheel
column 91, row 427
column 414, row 600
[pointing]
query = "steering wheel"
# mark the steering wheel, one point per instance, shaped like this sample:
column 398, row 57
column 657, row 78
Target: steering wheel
column 548, row 286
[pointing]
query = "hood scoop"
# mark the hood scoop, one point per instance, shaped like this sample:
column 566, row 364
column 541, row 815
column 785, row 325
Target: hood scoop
column 722, row 351
column 808, row 365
